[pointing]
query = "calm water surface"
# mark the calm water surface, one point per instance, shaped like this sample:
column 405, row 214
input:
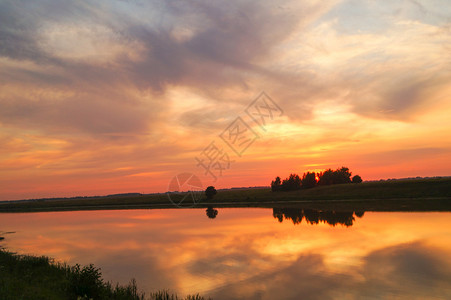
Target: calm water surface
column 248, row 253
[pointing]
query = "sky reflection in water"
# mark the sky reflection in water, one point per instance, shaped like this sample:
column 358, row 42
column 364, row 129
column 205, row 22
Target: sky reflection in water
column 249, row 253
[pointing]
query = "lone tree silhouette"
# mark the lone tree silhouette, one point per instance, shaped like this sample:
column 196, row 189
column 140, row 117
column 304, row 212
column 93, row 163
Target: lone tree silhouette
column 210, row 192
column 356, row 179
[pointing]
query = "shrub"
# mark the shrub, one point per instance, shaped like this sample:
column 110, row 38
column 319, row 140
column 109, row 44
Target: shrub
column 356, row 179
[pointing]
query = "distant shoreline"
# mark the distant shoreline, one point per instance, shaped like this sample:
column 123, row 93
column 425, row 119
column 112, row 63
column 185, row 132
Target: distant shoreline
column 430, row 194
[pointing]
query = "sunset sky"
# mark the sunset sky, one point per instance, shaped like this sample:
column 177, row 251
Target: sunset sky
column 108, row 97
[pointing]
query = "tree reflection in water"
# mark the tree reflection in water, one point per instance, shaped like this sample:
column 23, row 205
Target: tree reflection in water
column 311, row 216
column 296, row 215
column 211, row 212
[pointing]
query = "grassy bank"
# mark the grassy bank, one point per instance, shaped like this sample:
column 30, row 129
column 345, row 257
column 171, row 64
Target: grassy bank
column 419, row 194
column 30, row 277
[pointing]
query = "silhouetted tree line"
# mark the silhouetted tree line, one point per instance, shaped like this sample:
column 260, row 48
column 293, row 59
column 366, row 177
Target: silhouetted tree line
column 312, row 179
column 311, row 216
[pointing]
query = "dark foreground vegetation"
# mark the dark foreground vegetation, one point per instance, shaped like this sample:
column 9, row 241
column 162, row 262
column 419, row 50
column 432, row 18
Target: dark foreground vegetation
column 431, row 194
column 30, row 277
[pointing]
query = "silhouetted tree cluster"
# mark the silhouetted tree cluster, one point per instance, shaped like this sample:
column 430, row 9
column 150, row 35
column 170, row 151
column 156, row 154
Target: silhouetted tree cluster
column 338, row 176
column 289, row 184
column 276, row 184
column 311, row 216
column 312, row 179
column 309, row 180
